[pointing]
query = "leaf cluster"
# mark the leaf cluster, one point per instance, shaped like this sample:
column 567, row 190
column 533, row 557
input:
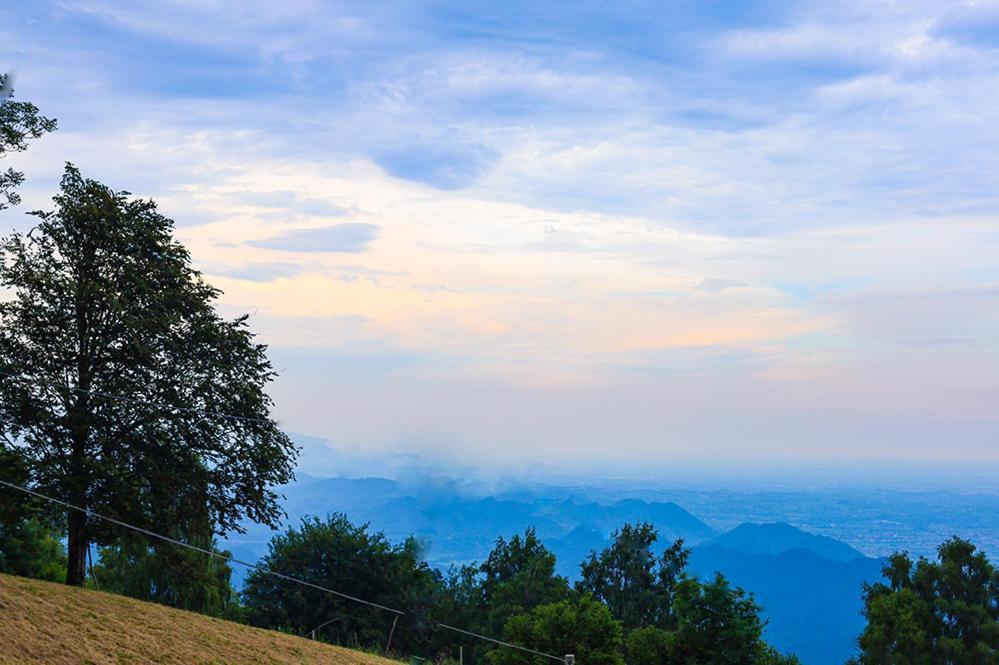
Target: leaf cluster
column 336, row 554
column 637, row 585
column 20, row 122
column 928, row 612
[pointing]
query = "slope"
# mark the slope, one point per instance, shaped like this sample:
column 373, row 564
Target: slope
column 42, row 622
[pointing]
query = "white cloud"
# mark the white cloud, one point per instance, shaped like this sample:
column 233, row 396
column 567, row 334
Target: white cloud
column 781, row 230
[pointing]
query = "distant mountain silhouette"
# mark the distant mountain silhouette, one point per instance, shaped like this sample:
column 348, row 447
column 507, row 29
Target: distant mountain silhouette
column 779, row 537
column 812, row 602
column 809, row 585
column 456, row 527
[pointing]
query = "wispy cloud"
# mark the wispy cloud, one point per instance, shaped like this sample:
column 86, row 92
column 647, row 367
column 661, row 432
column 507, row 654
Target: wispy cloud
column 716, row 284
column 350, row 238
column 661, row 227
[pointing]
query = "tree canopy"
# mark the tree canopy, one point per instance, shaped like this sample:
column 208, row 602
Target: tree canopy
column 30, row 547
column 928, row 612
column 636, row 585
column 20, row 122
column 168, row 574
column 581, row 626
column 519, row 575
column 666, row 615
column 336, row 554
column 115, row 368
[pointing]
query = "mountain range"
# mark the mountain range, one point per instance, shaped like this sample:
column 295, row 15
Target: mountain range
column 808, row 585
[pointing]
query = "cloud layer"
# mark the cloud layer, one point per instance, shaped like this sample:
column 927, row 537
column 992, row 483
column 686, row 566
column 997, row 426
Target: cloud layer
column 700, row 232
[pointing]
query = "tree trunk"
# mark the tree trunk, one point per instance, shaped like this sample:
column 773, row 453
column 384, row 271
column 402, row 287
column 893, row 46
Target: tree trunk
column 79, row 541
column 76, row 571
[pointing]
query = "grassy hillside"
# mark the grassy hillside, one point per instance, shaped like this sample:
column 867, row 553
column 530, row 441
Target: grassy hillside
column 41, row 622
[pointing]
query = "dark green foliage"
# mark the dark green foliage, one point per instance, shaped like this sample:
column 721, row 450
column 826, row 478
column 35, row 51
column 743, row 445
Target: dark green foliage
column 649, row 646
column 460, row 601
column 168, row 574
column 715, row 625
column 29, row 538
column 105, row 302
column 581, row 626
column 20, row 122
column 30, row 547
column 336, row 554
column 770, row 656
column 706, row 623
column 635, row 584
column 668, row 616
column 162, row 572
column 929, row 612
column 518, row 576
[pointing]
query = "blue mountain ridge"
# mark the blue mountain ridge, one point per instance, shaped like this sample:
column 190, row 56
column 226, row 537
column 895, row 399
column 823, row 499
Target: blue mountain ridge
column 808, row 585
column 778, row 537
column 812, row 603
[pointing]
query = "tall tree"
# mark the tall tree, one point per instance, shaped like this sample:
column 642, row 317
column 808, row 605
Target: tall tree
column 20, row 122
column 928, row 612
column 713, row 624
column 636, row 585
column 339, row 555
column 115, row 368
column 716, row 624
column 519, row 575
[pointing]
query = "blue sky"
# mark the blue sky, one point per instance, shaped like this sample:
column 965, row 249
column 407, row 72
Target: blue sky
column 533, row 231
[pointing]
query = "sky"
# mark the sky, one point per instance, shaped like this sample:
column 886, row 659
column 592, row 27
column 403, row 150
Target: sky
column 566, row 233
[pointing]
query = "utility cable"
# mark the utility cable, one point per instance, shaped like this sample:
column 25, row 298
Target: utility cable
column 501, row 642
column 266, row 571
column 217, row 555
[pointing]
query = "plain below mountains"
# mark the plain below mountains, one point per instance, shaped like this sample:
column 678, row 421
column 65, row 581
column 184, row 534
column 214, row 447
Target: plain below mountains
column 809, row 585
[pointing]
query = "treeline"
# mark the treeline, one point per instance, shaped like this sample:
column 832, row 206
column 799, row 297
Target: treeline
column 631, row 605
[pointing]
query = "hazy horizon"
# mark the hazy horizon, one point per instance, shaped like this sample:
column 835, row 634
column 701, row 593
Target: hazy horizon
column 517, row 234
column 322, row 459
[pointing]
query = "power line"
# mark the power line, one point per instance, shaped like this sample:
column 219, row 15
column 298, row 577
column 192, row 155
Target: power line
column 266, row 571
column 218, row 555
column 501, row 642
column 125, row 398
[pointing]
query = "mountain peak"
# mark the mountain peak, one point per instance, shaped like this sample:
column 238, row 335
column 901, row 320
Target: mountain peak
column 777, row 537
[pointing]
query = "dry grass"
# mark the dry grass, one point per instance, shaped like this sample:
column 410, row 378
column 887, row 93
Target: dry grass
column 41, row 622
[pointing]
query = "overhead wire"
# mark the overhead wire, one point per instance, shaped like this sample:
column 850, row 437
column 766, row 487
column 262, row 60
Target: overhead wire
column 219, row 555
column 501, row 642
column 267, row 571
column 180, row 543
